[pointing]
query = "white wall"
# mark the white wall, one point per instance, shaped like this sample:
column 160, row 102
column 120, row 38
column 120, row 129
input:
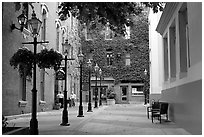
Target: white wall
column 155, row 45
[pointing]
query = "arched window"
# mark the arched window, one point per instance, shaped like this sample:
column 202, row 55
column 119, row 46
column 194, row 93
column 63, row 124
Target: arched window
column 44, row 12
column 127, row 59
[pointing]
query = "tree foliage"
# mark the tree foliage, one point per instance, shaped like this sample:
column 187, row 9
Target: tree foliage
column 118, row 14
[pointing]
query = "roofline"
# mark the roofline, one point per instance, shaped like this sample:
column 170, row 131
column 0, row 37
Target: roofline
column 168, row 12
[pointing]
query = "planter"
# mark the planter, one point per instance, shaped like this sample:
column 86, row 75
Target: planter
column 57, row 106
column 16, row 131
column 110, row 101
column 42, row 105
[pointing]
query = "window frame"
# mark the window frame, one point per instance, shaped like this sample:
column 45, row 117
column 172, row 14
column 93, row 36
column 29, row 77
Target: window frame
column 137, row 92
column 108, row 33
column 109, row 57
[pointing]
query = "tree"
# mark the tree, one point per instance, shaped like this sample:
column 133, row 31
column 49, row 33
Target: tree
column 118, row 14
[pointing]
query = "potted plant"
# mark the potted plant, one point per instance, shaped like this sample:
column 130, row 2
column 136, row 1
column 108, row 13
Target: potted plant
column 57, row 105
column 110, row 96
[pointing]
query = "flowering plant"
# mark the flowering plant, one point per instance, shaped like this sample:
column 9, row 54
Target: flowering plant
column 110, row 93
column 49, row 58
column 23, row 60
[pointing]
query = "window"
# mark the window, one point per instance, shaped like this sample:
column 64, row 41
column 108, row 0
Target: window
column 137, row 90
column 124, row 92
column 108, row 33
column 25, row 11
column 172, row 49
column 72, row 23
column 58, row 24
column 42, row 71
column 184, row 39
column 166, row 60
column 127, row 35
column 88, row 33
column 42, row 84
column 44, row 23
column 23, row 86
column 72, row 52
column 109, row 55
column 127, row 59
column 57, row 40
column 63, row 41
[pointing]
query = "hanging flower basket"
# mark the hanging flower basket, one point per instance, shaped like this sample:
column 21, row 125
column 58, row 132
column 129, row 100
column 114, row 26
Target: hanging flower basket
column 23, row 61
column 49, row 59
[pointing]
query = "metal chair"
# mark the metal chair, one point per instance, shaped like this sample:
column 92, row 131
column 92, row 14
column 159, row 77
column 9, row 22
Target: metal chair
column 149, row 108
column 163, row 110
column 154, row 105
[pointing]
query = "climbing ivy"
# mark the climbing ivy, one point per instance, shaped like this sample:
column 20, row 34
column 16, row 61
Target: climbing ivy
column 136, row 46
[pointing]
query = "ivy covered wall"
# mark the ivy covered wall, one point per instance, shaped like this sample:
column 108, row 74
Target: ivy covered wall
column 136, row 46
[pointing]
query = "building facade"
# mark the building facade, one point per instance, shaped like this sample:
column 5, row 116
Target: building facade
column 16, row 90
column 181, row 74
column 155, row 57
column 122, row 59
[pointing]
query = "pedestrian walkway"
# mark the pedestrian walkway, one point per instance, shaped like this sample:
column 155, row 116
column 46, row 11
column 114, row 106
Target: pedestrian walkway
column 119, row 119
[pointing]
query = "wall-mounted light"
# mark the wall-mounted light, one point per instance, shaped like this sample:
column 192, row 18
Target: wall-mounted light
column 21, row 20
column 145, row 72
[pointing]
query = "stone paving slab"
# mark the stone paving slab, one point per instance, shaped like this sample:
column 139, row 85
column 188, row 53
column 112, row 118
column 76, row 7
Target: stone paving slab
column 119, row 119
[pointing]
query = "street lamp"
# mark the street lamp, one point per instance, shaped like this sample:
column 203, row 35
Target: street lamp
column 65, row 111
column 21, row 20
column 80, row 57
column 89, row 104
column 96, row 89
column 34, row 25
column 145, row 72
column 100, row 73
column 145, row 94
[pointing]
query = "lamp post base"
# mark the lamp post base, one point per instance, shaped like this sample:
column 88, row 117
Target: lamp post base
column 100, row 102
column 89, row 107
column 96, row 105
column 64, row 124
column 65, row 118
column 80, row 111
column 33, row 127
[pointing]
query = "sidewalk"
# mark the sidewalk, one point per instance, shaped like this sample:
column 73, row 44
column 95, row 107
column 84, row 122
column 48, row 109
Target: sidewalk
column 119, row 119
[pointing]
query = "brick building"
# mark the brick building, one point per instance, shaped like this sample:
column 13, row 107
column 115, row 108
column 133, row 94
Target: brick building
column 122, row 59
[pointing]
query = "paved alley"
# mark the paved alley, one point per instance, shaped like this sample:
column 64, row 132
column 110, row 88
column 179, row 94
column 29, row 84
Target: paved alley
column 119, row 119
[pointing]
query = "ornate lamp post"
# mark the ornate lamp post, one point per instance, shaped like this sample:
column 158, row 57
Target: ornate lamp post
column 100, row 73
column 96, row 88
column 34, row 25
column 80, row 57
column 145, row 94
column 65, row 111
column 89, row 104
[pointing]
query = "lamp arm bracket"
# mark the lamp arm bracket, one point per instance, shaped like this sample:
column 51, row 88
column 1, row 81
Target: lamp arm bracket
column 13, row 26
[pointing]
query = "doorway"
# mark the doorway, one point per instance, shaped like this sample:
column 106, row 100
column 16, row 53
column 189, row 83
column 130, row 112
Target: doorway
column 124, row 94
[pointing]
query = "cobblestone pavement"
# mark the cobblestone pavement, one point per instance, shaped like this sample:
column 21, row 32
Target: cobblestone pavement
column 119, row 119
